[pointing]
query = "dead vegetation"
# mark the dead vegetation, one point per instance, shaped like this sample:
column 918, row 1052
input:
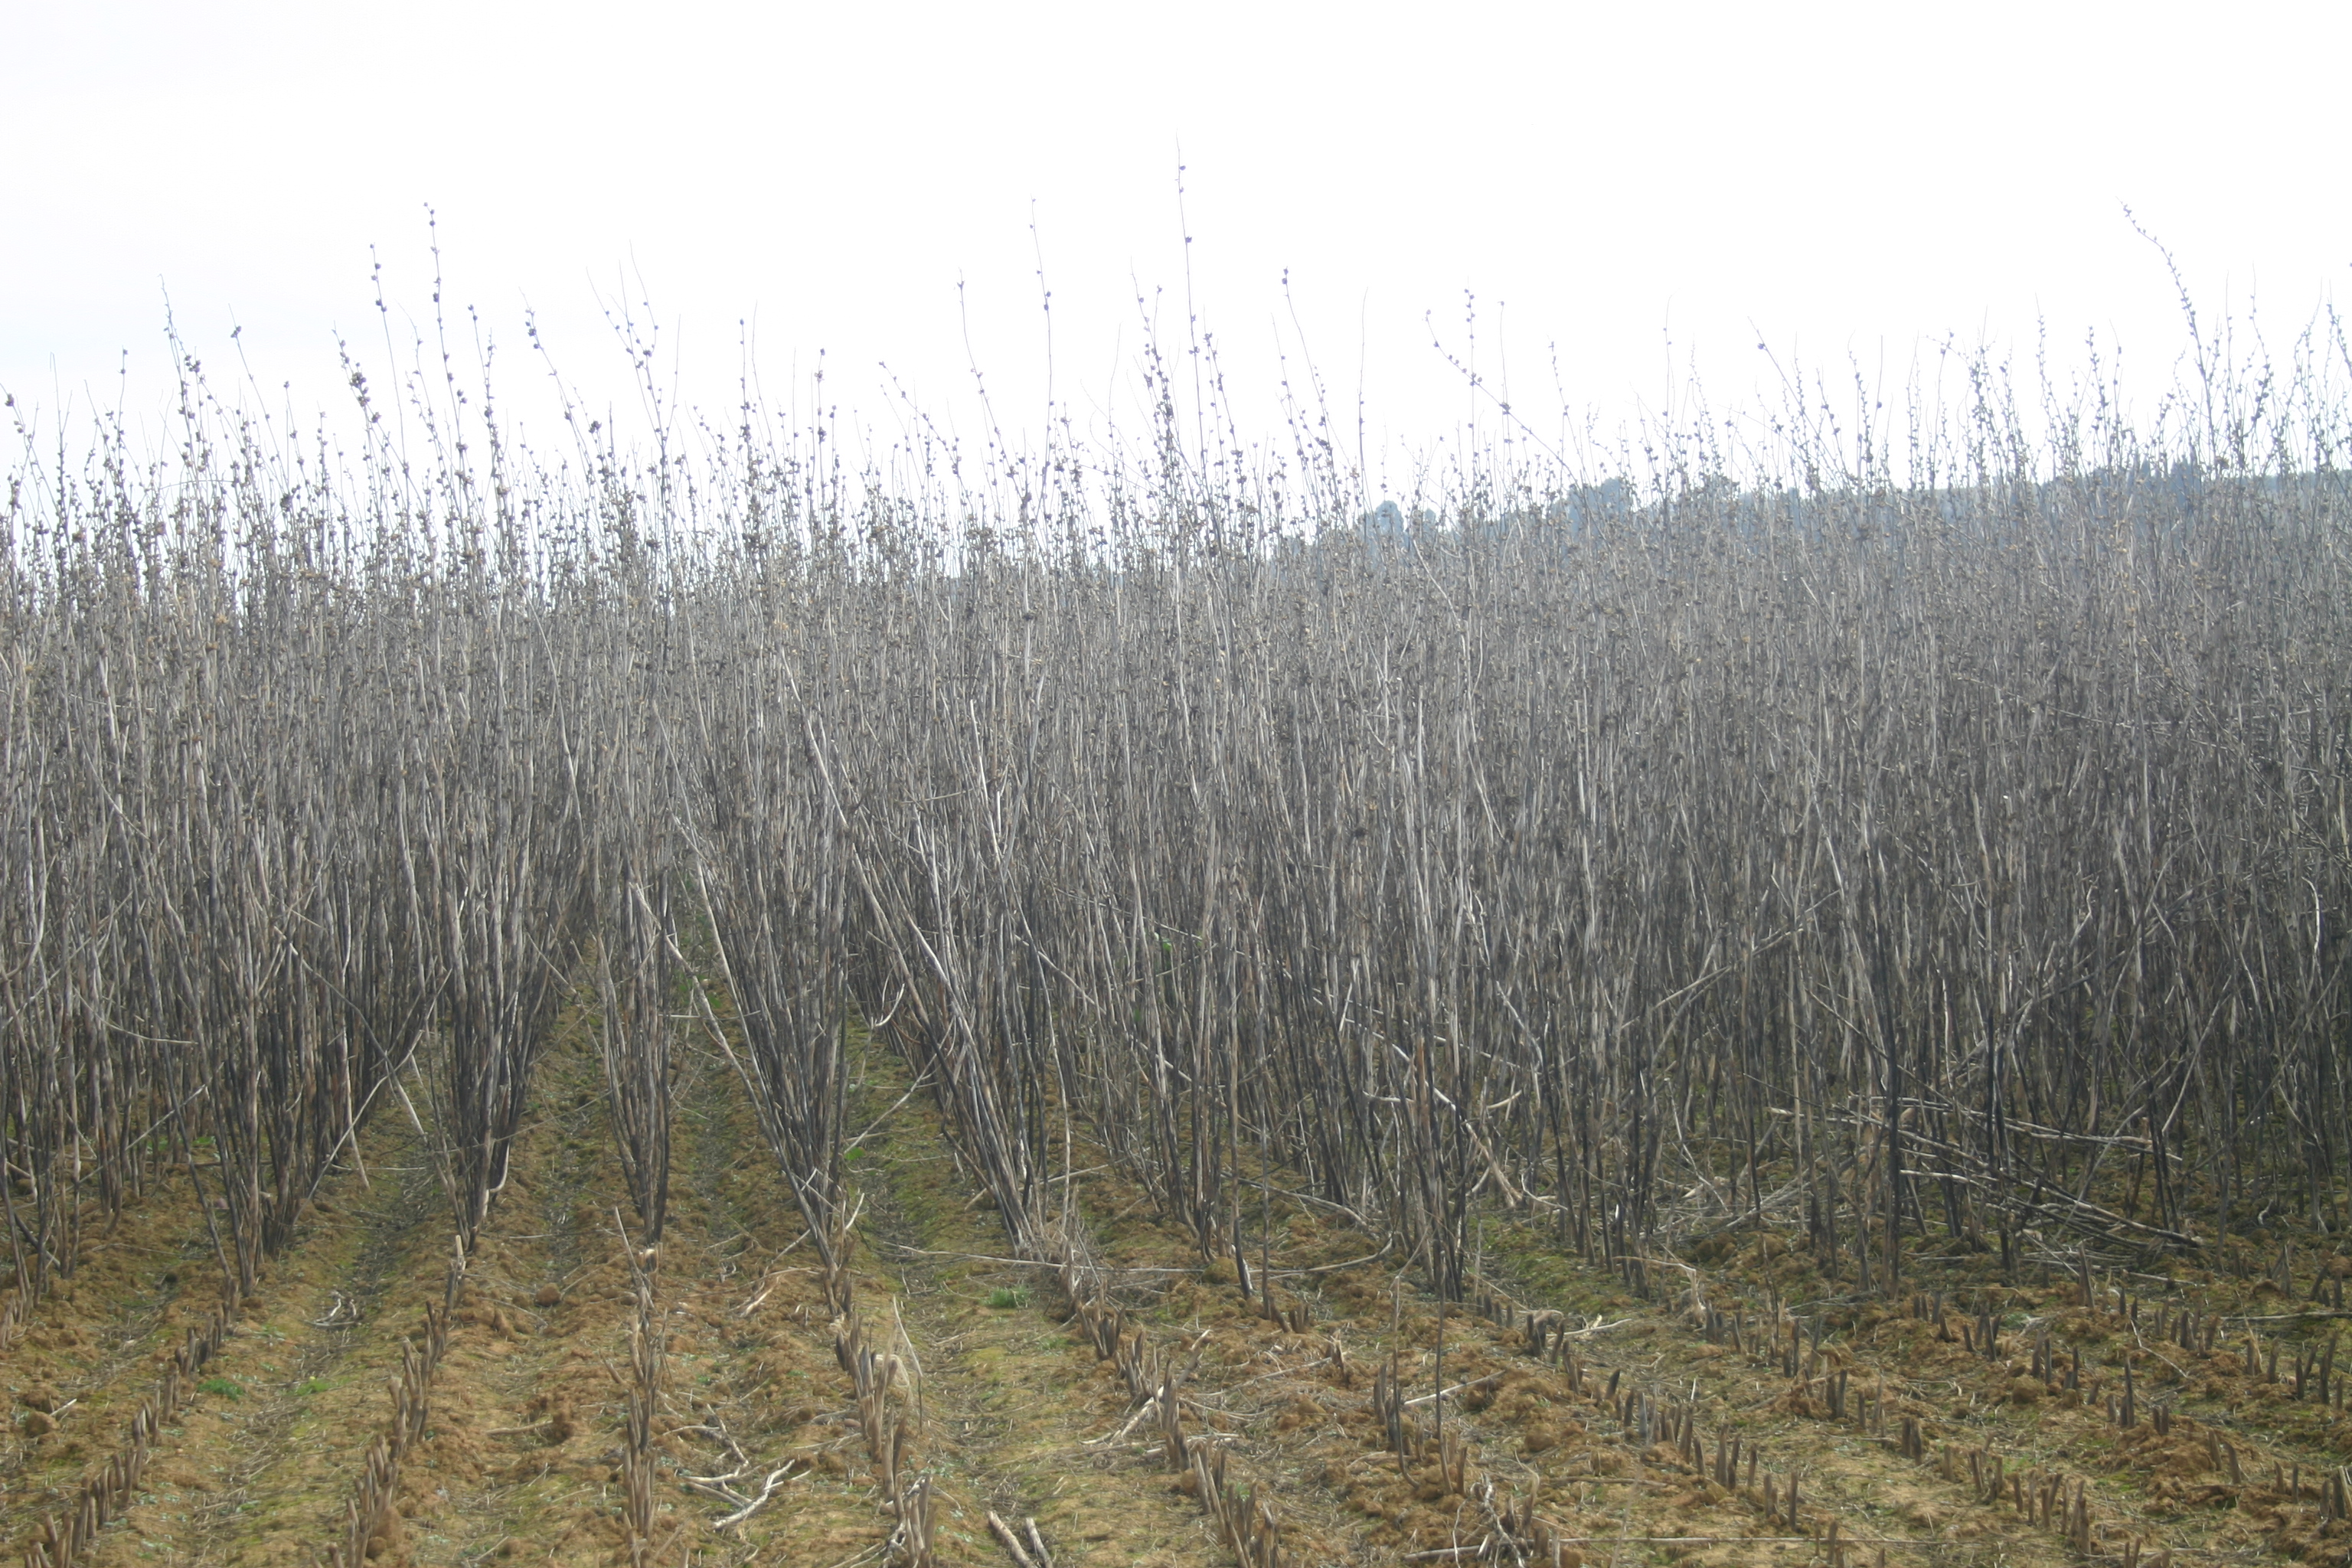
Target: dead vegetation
column 1788, row 1003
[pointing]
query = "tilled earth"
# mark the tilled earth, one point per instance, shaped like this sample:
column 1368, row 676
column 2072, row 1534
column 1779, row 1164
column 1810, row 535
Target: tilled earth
column 1733, row 1409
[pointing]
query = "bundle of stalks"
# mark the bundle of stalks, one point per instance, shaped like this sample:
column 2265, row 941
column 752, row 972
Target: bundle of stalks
column 647, row 1342
column 889, row 1428
column 1246, row 1522
column 1402, row 1434
column 1521, row 1535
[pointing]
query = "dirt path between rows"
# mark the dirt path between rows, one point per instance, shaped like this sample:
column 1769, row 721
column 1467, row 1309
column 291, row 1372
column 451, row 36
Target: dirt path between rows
column 245, row 1474
column 518, row 1460
column 1002, row 1403
column 88, row 1354
column 1022, row 1419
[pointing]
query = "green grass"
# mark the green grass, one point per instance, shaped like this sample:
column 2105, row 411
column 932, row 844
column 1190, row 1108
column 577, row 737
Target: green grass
column 1005, row 1297
column 222, row 1386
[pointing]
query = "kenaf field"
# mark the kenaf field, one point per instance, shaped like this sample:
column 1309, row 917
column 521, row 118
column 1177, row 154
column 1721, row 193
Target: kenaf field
column 721, row 997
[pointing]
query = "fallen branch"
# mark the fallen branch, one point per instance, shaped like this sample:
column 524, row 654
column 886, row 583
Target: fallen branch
column 768, row 1489
column 1144, row 1412
column 1008, row 1262
column 1491, row 1378
column 1012, row 1542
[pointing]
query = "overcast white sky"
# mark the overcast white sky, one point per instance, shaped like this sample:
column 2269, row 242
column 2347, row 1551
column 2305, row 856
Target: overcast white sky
column 860, row 179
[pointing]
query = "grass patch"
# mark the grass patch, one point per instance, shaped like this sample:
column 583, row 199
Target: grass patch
column 223, row 1386
column 1005, row 1297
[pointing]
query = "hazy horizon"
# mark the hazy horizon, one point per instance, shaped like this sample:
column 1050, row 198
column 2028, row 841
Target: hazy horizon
column 1624, row 202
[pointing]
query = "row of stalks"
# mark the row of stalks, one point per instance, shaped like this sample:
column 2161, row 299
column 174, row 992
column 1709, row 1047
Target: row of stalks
column 108, row 1492
column 1246, row 1523
column 889, row 1421
column 371, row 1524
column 647, row 1339
column 1821, row 1386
